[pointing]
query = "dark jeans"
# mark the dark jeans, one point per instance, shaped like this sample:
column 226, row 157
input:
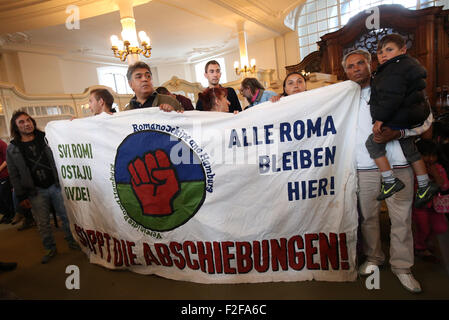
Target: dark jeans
column 40, row 206
column 19, row 209
column 6, row 202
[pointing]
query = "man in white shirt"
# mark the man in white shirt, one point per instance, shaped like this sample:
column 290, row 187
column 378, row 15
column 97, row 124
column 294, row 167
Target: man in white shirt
column 357, row 67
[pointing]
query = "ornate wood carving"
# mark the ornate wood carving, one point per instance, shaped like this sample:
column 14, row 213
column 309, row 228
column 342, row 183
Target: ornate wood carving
column 311, row 63
column 426, row 32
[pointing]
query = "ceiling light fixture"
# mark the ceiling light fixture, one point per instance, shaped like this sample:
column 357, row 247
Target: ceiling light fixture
column 246, row 70
column 129, row 44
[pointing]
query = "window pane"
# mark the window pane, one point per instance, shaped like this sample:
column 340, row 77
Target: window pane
column 304, row 52
column 311, row 17
column 311, row 6
column 409, row 3
column 321, row 15
column 303, row 41
column 331, row 3
column 121, row 85
column 345, row 18
column 312, row 28
column 332, row 12
column 313, row 38
column 321, row 4
column 333, row 22
column 108, row 81
column 344, row 8
column 302, row 21
column 302, row 31
column 322, row 25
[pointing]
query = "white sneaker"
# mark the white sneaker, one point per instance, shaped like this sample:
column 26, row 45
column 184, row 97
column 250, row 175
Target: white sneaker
column 409, row 282
column 366, row 268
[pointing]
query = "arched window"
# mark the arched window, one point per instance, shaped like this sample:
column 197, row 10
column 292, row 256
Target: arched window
column 115, row 78
column 319, row 17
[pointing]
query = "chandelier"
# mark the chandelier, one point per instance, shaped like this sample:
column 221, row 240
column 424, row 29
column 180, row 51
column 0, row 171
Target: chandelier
column 245, row 69
column 129, row 44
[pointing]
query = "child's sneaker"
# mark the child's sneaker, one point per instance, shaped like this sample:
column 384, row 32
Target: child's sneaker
column 425, row 194
column 388, row 189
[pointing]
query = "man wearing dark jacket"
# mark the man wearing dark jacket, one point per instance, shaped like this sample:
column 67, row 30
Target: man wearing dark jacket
column 140, row 80
column 34, row 177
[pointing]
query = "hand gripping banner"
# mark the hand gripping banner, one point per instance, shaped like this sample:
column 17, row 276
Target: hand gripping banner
column 268, row 194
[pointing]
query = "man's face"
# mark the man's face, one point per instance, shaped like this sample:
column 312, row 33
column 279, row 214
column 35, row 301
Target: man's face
column 389, row 51
column 213, row 74
column 95, row 105
column 25, row 125
column 246, row 92
column 358, row 69
column 141, row 82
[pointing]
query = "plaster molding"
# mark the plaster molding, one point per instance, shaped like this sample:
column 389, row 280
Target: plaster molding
column 260, row 14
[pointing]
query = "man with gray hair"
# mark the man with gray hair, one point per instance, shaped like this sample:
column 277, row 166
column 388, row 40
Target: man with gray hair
column 357, row 67
column 140, row 80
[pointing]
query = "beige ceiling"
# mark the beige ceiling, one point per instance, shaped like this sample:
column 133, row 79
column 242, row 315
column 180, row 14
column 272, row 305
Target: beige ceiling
column 180, row 30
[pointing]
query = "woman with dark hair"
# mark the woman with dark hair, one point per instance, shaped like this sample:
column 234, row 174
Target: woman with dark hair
column 294, row 82
column 215, row 99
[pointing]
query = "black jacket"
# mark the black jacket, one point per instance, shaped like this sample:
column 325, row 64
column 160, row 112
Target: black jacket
column 20, row 174
column 397, row 93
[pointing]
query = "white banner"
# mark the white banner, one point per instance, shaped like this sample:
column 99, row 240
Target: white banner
column 266, row 195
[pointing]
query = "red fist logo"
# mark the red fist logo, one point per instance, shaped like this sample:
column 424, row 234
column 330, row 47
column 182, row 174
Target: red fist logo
column 154, row 182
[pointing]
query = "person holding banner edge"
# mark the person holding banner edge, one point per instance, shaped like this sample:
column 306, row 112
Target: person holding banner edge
column 294, row 82
column 357, row 68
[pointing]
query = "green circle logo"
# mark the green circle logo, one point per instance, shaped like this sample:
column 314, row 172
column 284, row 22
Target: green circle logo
column 155, row 185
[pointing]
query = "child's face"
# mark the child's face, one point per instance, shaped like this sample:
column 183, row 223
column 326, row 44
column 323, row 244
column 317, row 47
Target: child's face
column 389, row 51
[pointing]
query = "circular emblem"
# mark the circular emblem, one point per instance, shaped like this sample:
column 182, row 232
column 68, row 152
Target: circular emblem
column 160, row 180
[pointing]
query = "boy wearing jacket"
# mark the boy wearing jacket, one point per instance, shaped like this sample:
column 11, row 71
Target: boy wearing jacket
column 398, row 101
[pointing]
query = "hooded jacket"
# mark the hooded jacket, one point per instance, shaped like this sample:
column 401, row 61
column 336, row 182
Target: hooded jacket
column 397, row 93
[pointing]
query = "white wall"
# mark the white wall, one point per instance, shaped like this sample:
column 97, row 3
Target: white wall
column 40, row 73
column 10, row 69
column 274, row 53
column 78, row 76
column 48, row 74
column 166, row 72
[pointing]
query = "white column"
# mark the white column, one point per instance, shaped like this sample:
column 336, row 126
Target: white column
column 242, row 44
column 128, row 27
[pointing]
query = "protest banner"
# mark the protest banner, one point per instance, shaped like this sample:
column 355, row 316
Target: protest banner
column 268, row 194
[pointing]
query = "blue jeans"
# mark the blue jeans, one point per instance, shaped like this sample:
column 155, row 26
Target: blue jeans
column 40, row 206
